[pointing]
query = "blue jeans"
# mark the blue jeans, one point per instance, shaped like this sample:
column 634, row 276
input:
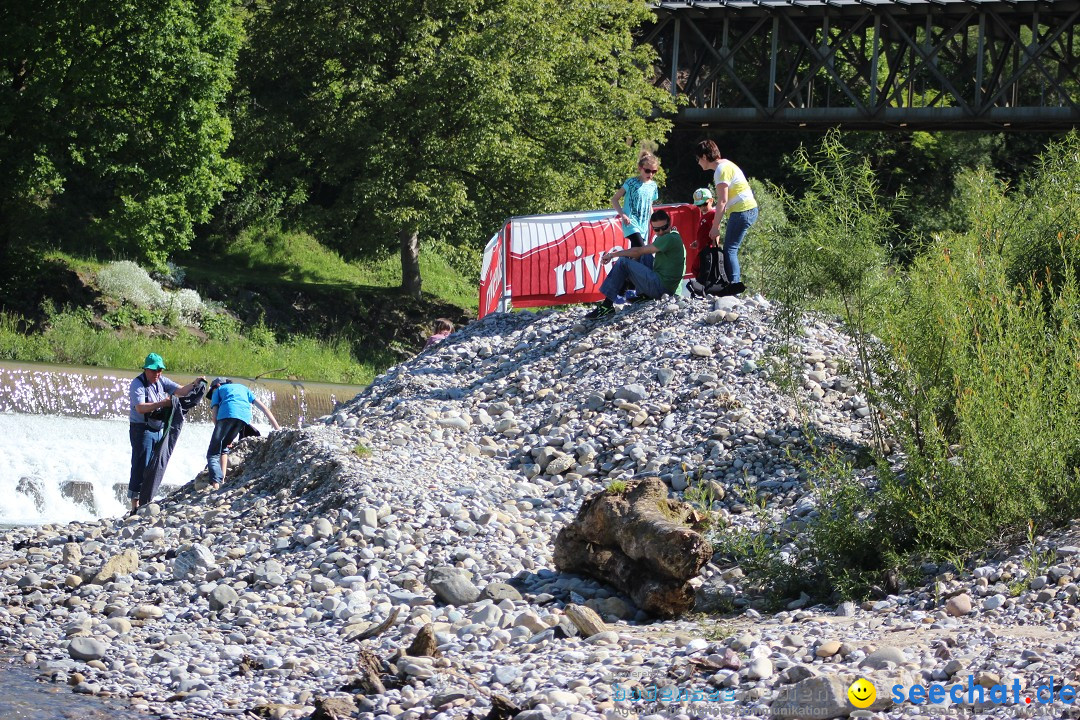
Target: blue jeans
column 142, row 440
column 738, row 223
column 225, row 431
column 644, row 278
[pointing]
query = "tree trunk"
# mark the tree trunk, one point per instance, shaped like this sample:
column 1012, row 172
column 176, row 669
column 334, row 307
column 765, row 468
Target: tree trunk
column 410, row 261
column 637, row 542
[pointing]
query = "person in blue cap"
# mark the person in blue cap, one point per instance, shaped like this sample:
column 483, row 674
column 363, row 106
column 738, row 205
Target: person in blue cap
column 149, row 392
column 230, row 407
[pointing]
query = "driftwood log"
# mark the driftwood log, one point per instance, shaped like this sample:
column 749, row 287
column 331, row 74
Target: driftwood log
column 636, row 540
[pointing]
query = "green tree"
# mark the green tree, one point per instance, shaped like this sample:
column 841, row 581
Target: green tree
column 387, row 122
column 112, row 123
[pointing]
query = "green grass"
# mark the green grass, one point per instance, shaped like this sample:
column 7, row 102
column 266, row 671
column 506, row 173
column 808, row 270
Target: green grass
column 71, row 340
column 450, row 274
column 349, row 325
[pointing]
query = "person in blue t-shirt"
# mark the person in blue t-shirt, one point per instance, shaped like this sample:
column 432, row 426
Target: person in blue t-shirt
column 230, row 408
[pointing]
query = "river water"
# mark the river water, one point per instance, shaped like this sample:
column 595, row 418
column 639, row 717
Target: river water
column 23, row 698
column 64, row 456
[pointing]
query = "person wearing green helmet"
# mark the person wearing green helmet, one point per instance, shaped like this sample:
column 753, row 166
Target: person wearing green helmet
column 149, row 392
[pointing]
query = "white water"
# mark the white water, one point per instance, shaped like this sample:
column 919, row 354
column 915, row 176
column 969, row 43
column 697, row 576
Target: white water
column 51, row 452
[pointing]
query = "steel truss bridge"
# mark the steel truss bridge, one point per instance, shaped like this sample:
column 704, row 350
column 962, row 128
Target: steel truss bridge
column 871, row 64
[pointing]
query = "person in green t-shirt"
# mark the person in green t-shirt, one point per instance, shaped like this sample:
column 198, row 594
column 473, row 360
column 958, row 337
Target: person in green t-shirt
column 661, row 279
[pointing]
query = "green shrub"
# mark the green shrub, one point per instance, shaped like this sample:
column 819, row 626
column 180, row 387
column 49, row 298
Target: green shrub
column 968, row 358
column 220, row 326
column 1042, row 225
column 833, row 248
column 771, row 227
column 989, row 364
column 616, row 487
column 261, row 335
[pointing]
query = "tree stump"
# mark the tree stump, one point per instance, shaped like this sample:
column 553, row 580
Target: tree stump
column 638, row 542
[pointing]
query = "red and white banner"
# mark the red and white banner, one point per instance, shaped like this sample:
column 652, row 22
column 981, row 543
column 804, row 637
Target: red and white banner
column 555, row 259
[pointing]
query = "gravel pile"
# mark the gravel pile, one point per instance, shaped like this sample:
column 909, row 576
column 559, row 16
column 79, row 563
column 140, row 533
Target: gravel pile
column 433, row 499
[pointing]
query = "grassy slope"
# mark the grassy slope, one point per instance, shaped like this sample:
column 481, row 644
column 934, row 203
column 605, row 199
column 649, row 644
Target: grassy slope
column 306, row 313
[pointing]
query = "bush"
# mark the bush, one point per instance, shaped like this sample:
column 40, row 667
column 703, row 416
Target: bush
column 971, row 349
column 127, row 282
column 220, row 326
column 834, row 248
column 755, row 253
column 987, row 363
column 187, row 304
column 143, row 300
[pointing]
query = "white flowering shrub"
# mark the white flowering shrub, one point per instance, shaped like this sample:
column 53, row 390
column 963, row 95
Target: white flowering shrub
column 127, row 282
column 187, row 304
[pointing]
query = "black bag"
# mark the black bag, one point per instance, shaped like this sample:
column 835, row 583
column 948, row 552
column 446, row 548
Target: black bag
column 711, row 267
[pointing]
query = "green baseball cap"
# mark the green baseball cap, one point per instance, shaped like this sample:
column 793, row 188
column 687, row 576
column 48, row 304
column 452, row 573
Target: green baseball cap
column 153, row 362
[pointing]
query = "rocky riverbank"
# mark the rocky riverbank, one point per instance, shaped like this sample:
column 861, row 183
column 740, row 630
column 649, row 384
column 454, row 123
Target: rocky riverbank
column 434, row 498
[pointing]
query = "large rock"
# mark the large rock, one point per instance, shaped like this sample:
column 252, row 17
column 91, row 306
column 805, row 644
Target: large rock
column 634, row 393
column 635, row 541
column 194, row 560
column 453, row 585
column 958, row 605
column 500, row 591
column 585, row 620
column 222, row 597
column 881, row 657
column 87, row 648
column 123, row 564
column 334, row 708
column 72, row 554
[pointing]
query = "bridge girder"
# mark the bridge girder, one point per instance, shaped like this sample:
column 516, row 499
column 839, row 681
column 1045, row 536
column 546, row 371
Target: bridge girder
column 947, row 64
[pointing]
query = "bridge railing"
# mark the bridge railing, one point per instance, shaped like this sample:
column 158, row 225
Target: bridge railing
column 872, row 64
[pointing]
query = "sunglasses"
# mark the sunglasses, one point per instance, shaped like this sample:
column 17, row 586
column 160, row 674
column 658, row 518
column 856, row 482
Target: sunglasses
column 649, row 171
column 662, row 228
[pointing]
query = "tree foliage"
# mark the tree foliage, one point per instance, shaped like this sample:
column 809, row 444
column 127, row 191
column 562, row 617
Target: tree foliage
column 439, row 118
column 112, row 126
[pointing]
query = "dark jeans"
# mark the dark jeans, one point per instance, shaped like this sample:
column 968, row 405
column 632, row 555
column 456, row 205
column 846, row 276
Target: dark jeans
column 142, row 449
column 225, row 431
column 738, row 223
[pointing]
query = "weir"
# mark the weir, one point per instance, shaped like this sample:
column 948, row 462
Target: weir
column 40, row 389
column 64, row 450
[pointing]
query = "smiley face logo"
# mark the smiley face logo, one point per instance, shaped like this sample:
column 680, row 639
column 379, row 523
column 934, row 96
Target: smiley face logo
column 862, row 693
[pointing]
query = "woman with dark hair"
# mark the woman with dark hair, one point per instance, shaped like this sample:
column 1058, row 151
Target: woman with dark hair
column 735, row 200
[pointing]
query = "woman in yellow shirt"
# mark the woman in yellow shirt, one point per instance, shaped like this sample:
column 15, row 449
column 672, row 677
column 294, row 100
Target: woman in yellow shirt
column 735, row 200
